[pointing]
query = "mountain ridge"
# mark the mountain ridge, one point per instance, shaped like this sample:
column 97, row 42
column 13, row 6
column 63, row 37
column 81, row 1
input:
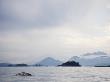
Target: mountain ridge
column 49, row 61
column 92, row 59
column 88, row 59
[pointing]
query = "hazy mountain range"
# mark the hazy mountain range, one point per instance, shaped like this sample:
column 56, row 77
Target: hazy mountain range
column 92, row 59
column 88, row 59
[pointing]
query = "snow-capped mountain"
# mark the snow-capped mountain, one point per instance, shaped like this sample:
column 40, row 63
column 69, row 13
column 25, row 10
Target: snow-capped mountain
column 49, row 62
column 92, row 59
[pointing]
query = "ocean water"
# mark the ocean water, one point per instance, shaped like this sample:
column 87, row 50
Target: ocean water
column 56, row 74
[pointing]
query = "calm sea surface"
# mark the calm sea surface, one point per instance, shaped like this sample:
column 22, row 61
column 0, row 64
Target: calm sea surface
column 56, row 74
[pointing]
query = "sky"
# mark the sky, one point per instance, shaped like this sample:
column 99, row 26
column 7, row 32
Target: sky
column 31, row 30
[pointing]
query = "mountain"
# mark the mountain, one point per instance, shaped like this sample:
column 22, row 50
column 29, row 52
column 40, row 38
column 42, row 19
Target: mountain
column 93, row 59
column 49, row 62
column 70, row 64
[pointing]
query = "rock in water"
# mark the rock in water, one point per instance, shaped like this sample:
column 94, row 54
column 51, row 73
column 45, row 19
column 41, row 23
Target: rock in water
column 23, row 74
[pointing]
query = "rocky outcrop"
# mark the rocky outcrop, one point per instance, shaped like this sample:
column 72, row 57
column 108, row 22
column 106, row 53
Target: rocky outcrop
column 23, row 74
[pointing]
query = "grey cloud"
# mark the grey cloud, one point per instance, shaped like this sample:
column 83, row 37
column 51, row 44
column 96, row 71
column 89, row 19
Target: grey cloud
column 26, row 13
column 42, row 13
column 58, row 28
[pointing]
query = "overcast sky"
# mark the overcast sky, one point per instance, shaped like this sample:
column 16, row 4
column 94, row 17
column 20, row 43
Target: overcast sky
column 31, row 30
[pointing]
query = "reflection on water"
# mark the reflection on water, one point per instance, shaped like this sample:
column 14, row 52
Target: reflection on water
column 56, row 74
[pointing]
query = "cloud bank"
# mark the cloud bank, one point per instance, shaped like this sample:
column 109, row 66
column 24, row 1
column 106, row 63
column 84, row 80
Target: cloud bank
column 34, row 29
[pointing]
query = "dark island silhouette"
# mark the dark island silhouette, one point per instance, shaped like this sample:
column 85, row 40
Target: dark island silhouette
column 21, row 65
column 18, row 65
column 102, row 66
column 70, row 64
